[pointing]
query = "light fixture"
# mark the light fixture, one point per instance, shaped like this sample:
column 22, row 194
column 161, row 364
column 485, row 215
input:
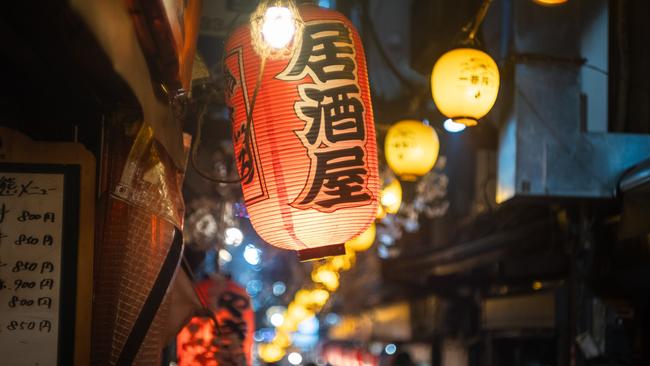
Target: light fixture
column 278, row 27
column 390, row 197
column 225, row 255
column 465, row 80
column 303, row 297
column 282, row 339
column 342, row 262
column 294, row 358
column 279, row 288
column 453, row 127
column 465, row 84
column 273, row 310
column 233, row 236
column 332, row 319
column 411, row 149
column 390, row 349
column 275, row 28
column 253, row 287
column 295, row 198
column 309, row 326
column 270, row 352
column 276, row 319
column 319, row 297
column 550, row 2
column 252, row 255
column 298, row 312
column 326, row 277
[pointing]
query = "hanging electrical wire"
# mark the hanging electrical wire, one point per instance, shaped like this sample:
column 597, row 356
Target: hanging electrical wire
column 472, row 27
column 382, row 51
column 247, row 136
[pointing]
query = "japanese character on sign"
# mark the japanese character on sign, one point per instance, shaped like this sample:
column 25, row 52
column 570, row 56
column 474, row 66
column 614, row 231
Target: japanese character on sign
column 334, row 133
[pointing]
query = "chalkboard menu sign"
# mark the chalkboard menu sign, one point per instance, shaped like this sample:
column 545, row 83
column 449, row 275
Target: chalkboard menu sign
column 40, row 298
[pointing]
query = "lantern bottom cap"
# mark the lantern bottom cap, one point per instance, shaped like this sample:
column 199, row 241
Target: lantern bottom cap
column 310, row 254
column 467, row 121
column 408, row 178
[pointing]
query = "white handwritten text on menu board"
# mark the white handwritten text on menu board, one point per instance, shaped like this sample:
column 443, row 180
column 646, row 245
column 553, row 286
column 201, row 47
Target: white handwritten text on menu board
column 31, row 234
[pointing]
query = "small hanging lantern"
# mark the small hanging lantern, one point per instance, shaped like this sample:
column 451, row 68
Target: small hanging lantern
column 390, row 198
column 199, row 342
column 343, row 262
column 326, row 276
column 465, row 85
column 271, row 352
column 411, row 149
column 303, row 127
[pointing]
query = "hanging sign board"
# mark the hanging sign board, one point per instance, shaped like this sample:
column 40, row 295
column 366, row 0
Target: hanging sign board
column 46, row 238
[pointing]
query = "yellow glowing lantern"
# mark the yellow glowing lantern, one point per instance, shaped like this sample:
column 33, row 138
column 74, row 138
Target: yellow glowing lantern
column 365, row 240
column 411, row 149
column 271, row 352
column 282, row 339
column 289, row 325
column 303, row 297
column 298, row 312
column 465, row 85
column 390, row 197
column 550, row 2
column 327, row 277
column 320, row 297
column 342, row 262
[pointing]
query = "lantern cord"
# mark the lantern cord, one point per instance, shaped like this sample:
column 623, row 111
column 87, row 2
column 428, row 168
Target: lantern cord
column 382, row 52
column 472, row 27
column 247, row 135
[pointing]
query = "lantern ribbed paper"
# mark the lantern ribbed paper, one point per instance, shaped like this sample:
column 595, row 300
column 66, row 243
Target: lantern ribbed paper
column 411, row 149
column 309, row 166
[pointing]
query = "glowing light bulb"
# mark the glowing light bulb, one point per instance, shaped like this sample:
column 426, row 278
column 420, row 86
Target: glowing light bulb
column 298, row 312
column 390, row 349
column 279, row 288
column 294, row 358
column 278, row 27
column 270, row 352
column 327, row 277
column 277, row 319
column 225, row 255
column 233, row 236
column 320, row 297
column 453, row 127
column 252, row 255
column 390, row 197
column 303, row 297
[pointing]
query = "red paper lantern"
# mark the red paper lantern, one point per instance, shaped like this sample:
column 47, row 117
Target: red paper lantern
column 309, row 166
column 197, row 343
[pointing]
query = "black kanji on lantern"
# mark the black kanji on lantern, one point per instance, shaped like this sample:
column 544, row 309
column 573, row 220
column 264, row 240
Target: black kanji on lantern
column 338, row 179
column 334, row 133
column 338, row 113
column 326, row 52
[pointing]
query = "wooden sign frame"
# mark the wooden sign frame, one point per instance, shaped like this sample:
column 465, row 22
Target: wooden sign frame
column 19, row 154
